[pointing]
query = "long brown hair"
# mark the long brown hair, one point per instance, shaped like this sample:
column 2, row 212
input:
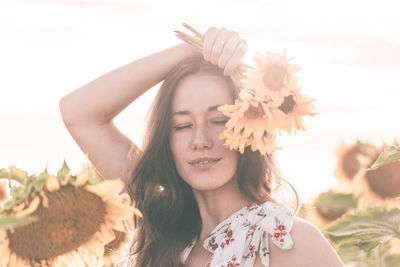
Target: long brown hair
column 171, row 218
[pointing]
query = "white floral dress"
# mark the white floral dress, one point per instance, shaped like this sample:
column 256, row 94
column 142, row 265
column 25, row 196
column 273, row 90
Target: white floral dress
column 237, row 240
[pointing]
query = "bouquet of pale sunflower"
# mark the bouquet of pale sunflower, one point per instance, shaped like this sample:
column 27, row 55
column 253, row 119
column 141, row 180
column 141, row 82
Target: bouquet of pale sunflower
column 270, row 100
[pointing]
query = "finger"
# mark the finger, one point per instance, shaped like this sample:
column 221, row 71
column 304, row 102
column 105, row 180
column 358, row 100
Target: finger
column 209, row 39
column 218, row 46
column 228, row 50
column 217, row 50
column 237, row 57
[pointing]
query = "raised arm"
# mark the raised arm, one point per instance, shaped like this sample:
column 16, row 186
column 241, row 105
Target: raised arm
column 89, row 110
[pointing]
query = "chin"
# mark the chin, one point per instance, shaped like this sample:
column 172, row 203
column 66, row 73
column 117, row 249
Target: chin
column 207, row 183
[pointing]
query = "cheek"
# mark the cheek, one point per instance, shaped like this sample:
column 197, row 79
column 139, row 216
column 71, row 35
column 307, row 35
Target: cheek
column 177, row 144
column 233, row 159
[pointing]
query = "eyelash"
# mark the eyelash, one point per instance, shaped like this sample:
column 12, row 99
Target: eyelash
column 177, row 128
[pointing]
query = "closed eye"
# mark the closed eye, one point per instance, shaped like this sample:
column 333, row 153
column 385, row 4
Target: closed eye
column 220, row 122
column 177, row 128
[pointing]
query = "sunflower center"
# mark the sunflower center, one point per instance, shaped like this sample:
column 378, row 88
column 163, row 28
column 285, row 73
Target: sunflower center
column 274, row 77
column 74, row 215
column 330, row 215
column 254, row 112
column 385, row 181
column 351, row 165
column 288, row 104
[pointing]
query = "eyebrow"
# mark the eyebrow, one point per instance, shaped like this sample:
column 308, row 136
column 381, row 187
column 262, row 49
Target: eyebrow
column 185, row 112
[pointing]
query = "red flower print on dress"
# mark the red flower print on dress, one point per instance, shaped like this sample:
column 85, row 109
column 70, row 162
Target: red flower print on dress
column 277, row 235
column 214, row 246
column 232, row 263
column 229, row 233
column 251, row 227
column 229, row 238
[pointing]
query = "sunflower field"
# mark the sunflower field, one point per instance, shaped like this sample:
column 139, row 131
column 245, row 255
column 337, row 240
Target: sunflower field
column 81, row 220
column 361, row 217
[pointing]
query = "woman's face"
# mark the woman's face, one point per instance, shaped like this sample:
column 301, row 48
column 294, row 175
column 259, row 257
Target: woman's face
column 200, row 157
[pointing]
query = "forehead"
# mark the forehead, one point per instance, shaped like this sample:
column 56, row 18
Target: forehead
column 201, row 91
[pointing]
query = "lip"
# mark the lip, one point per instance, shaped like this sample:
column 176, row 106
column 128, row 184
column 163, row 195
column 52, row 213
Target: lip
column 195, row 163
column 202, row 159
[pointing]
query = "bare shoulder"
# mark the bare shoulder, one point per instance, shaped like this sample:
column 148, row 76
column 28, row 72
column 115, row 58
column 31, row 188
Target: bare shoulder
column 310, row 248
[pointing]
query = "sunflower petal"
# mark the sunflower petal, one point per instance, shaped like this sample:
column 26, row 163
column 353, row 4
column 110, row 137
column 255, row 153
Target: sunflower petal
column 107, row 188
column 31, row 208
column 52, row 183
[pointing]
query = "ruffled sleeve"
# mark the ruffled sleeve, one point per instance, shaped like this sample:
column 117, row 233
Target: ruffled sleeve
column 278, row 223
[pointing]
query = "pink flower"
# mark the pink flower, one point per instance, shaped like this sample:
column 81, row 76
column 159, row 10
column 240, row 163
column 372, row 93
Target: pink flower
column 229, row 233
column 281, row 227
column 277, row 235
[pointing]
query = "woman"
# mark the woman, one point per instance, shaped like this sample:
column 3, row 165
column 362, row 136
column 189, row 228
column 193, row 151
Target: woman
column 203, row 204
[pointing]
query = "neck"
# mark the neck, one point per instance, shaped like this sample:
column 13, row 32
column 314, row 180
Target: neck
column 217, row 205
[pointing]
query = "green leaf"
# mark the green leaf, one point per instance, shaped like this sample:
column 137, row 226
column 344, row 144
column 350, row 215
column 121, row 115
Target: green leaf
column 17, row 174
column 4, row 173
column 13, row 221
column 366, row 148
column 331, row 201
column 93, row 178
column 63, row 172
column 389, row 155
column 40, row 181
column 356, row 257
column 366, row 228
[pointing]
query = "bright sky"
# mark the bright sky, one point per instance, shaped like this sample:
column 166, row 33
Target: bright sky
column 349, row 52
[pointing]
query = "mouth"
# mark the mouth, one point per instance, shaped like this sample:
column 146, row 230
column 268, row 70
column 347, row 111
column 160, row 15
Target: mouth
column 204, row 164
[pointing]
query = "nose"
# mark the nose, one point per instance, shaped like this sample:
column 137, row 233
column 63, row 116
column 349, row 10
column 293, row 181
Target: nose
column 201, row 138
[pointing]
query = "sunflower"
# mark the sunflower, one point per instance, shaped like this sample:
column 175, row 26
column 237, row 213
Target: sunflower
column 379, row 186
column 273, row 76
column 269, row 100
column 295, row 106
column 328, row 206
column 76, row 218
column 350, row 160
column 117, row 251
column 252, row 122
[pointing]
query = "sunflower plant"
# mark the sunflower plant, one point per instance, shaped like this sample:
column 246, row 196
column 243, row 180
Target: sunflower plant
column 368, row 235
column 270, row 100
column 376, row 231
column 61, row 220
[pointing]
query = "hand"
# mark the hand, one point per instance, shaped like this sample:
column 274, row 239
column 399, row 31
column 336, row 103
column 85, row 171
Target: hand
column 224, row 48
